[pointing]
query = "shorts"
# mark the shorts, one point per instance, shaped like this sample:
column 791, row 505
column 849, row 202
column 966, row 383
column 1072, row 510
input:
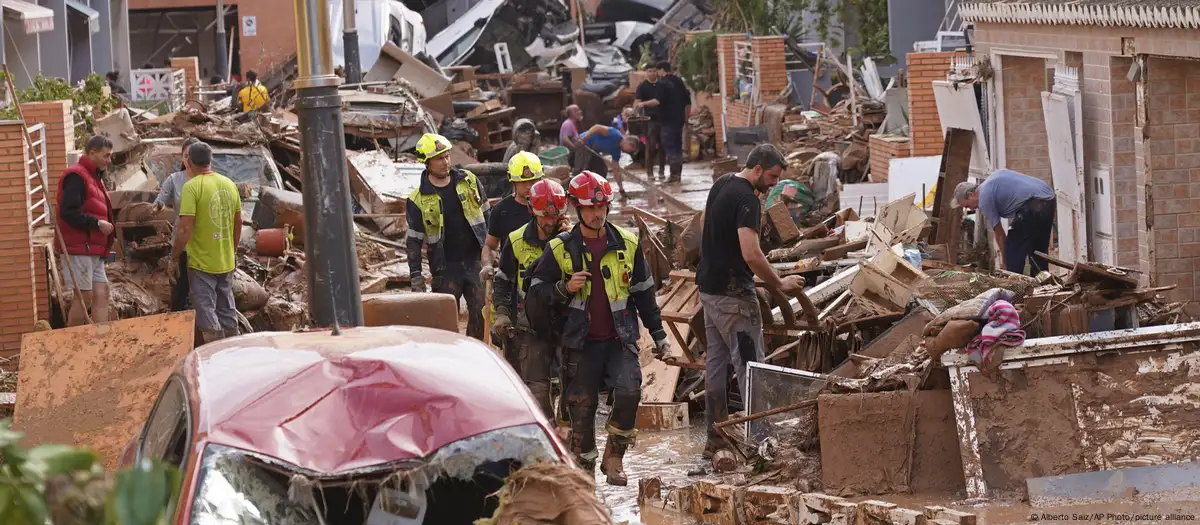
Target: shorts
column 87, row 268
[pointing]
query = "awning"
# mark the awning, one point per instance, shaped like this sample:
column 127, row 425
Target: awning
column 36, row 19
column 93, row 16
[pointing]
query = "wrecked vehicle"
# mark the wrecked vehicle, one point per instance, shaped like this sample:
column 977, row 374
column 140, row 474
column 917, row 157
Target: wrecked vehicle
column 250, row 167
column 365, row 425
column 471, row 39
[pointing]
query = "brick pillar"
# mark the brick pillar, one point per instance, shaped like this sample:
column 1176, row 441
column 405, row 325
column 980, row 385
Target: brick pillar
column 769, row 52
column 60, row 137
column 18, row 312
column 924, row 122
column 191, row 74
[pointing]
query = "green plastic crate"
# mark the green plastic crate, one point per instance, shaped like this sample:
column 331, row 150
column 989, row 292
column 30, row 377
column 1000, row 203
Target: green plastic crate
column 556, row 156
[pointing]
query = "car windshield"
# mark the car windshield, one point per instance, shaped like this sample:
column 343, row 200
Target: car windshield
column 242, row 168
column 454, row 485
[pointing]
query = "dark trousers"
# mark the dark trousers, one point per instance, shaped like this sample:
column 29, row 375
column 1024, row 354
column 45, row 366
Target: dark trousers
column 532, row 359
column 1029, row 232
column 462, row 281
column 654, row 147
column 179, row 292
column 601, row 364
column 672, row 142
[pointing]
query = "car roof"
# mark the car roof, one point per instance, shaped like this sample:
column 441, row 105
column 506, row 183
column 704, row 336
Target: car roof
column 365, row 397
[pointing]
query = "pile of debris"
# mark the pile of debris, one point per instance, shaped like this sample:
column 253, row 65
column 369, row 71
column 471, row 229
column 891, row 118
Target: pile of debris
column 873, row 329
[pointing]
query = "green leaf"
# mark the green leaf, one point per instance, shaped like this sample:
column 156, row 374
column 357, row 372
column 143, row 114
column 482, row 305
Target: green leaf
column 32, row 505
column 7, row 493
column 142, row 495
column 54, row 459
column 8, row 436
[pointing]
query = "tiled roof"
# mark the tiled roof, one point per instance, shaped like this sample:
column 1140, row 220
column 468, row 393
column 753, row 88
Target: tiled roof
column 1128, row 13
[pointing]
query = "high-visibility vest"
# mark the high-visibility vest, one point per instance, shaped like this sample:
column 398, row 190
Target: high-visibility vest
column 616, row 267
column 430, row 205
column 525, row 253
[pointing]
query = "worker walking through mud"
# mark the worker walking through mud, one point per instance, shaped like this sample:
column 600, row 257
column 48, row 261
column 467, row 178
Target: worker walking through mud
column 210, row 228
column 85, row 222
column 529, row 352
column 598, row 273
column 447, row 222
column 169, row 195
column 730, row 258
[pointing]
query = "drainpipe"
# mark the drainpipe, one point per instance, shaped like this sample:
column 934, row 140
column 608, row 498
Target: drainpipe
column 350, row 43
column 332, row 268
column 222, row 45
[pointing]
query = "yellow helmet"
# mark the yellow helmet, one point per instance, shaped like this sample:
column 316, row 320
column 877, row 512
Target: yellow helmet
column 431, row 145
column 522, row 160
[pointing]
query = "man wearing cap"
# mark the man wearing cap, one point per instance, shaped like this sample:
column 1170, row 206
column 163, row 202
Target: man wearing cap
column 1027, row 201
column 447, row 221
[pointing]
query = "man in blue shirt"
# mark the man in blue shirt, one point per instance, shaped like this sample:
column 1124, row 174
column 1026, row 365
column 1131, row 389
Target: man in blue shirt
column 605, row 141
column 1030, row 205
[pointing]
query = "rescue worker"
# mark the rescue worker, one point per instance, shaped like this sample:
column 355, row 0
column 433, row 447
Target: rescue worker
column 597, row 271
column 530, row 353
column 512, row 212
column 447, row 222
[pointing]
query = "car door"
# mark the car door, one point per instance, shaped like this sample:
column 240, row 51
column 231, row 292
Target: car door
column 168, row 431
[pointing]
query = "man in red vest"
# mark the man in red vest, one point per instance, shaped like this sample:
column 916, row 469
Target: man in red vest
column 86, row 223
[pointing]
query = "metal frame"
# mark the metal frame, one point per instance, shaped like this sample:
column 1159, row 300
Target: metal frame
column 746, row 397
column 1047, row 351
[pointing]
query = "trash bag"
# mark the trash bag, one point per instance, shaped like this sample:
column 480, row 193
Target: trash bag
column 458, row 129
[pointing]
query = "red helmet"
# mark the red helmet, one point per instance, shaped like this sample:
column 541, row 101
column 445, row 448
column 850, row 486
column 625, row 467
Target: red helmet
column 590, row 189
column 547, row 197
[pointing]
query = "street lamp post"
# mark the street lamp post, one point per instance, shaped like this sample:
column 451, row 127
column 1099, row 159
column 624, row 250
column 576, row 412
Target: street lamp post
column 332, row 266
column 350, row 43
column 222, row 43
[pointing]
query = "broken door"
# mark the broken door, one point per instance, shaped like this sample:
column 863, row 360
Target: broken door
column 1063, row 111
column 1101, row 217
column 958, row 108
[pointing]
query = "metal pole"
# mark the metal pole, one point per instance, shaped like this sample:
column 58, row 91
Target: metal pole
column 332, row 268
column 350, row 43
column 222, row 51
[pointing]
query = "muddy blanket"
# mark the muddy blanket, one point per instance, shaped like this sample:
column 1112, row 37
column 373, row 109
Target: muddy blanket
column 549, row 494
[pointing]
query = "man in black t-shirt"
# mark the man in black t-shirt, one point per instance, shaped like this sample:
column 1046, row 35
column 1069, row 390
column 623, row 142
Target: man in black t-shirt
column 730, row 258
column 676, row 103
column 648, row 100
column 512, row 212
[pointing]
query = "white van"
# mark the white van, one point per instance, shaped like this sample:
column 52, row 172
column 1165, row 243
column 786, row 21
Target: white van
column 378, row 21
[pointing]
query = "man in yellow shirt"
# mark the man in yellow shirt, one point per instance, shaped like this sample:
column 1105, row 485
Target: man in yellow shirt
column 210, row 228
column 254, row 96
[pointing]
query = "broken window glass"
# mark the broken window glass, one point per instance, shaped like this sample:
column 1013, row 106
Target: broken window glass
column 456, row 484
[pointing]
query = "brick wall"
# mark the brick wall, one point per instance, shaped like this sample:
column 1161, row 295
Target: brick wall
column 1172, row 148
column 17, row 304
column 1148, row 163
column 191, row 74
column 725, row 62
column 883, row 150
column 926, row 126
column 60, row 137
column 770, row 54
column 738, row 114
column 1026, row 146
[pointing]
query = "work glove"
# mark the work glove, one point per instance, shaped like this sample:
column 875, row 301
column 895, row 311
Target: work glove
column 502, row 327
column 487, row 273
column 418, row 283
column 661, row 345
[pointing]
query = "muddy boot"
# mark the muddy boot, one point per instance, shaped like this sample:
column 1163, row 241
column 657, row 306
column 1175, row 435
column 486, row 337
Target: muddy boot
column 676, row 173
column 612, row 465
column 211, row 336
column 232, row 332
column 587, row 462
column 710, row 448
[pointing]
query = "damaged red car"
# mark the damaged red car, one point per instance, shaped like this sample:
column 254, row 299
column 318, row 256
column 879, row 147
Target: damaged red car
column 388, row 425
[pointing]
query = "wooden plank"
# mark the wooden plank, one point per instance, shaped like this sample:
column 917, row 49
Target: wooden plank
column 486, row 107
column 781, row 219
column 662, row 416
column 956, row 166
column 839, row 251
